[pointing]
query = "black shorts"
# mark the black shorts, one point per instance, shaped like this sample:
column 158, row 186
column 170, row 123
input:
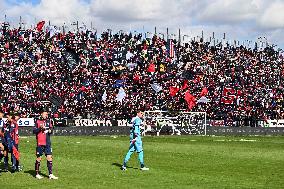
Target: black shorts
column 47, row 150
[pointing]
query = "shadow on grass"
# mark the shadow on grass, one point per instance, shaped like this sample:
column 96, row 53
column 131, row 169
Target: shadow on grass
column 120, row 165
column 33, row 173
column 8, row 169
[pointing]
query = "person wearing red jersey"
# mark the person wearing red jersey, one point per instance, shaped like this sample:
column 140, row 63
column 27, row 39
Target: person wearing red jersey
column 10, row 130
column 16, row 140
column 43, row 129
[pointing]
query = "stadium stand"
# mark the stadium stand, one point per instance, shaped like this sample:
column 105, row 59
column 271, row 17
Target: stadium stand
column 112, row 75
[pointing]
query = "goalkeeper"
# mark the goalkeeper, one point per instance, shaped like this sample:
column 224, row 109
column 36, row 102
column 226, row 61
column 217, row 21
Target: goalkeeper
column 135, row 142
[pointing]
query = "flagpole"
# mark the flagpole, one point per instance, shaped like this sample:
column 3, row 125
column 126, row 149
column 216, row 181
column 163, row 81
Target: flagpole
column 63, row 27
column 77, row 24
column 144, row 34
column 178, row 55
column 20, row 24
column 167, row 34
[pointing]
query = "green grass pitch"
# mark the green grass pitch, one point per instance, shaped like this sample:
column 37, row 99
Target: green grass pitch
column 174, row 162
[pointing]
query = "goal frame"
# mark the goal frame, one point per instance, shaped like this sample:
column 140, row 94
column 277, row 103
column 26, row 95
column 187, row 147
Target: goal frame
column 149, row 128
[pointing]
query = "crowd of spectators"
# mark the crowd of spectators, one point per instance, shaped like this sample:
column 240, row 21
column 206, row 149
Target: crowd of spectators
column 116, row 74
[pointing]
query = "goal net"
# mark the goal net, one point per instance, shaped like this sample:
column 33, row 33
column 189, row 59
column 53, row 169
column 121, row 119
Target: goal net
column 165, row 122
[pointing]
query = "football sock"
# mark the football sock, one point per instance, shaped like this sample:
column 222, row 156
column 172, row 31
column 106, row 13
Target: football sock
column 6, row 159
column 17, row 164
column 37, row 165
column 49, row 166
column 14, row 161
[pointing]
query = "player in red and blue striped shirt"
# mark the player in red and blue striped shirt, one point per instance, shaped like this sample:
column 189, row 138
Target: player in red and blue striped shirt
column 43, row 129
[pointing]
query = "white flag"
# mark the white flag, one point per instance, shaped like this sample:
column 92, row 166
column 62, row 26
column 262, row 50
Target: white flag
column 129, row 55
column 52, row 30
column 104, row 97
column 156, row 87
column 31, row 37
column 121, row 94
column 83, row 28
column 203, row 100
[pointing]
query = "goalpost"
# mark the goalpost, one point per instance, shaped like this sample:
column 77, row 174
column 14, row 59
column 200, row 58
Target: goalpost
column 178, row 122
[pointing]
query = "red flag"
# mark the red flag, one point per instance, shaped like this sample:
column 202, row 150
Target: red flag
column 185, row 84
column 151, row 68
column 7, row 45
column 40, row 25
column 239, row 93
column 136, row 77
column 16, row 153
column 204, row 92
column 83, row 88
column 190, row 99
column 173, row 91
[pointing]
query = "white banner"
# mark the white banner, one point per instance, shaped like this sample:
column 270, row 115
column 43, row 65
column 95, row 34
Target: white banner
column 96, row 122
column 23, row 122
column 89, row 122
column 276, row 123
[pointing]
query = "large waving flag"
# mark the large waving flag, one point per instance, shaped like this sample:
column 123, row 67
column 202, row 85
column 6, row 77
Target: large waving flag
column 40, row 25
column 190, row 99
column 171, row 48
